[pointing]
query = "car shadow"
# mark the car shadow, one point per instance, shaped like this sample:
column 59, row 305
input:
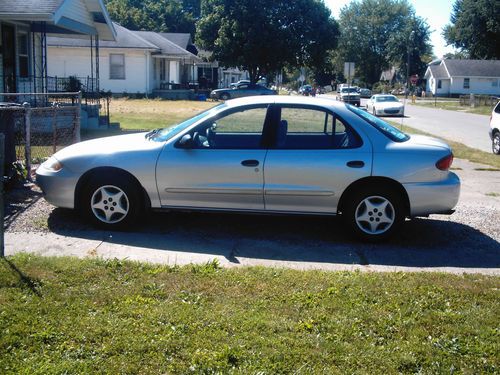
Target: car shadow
column 422, row 243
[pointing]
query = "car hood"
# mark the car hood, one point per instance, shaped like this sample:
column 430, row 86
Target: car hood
column 388, row 105
column 128, row 143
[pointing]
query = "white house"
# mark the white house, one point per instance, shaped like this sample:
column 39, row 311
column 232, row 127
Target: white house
column 135, row 62
column 24, row 28
column 462, row 77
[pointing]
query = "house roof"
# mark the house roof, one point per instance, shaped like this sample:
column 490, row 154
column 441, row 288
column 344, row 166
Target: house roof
column 473, row 68
column 438, row 71
column 183, row 40
column 166, row 46
column 29, row 6
column 124, row 39
column 80, row 17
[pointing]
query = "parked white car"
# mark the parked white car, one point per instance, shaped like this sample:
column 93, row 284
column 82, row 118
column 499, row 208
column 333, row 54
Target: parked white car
column 495, row 129
column 385, row 105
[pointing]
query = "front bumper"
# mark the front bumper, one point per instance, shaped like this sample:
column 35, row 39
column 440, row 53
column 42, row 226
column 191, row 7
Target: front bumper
column 58, row 187
column 433, row 197
column 390, row 112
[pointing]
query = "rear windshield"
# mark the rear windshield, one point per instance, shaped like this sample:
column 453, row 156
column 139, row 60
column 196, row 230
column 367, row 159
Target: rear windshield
column 388, row 130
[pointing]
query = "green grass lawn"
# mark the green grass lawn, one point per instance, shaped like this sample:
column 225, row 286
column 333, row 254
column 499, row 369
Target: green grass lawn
column 65, row 315
column 451, row 105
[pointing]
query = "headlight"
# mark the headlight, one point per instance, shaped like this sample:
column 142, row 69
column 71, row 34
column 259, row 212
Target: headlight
column 52, row 164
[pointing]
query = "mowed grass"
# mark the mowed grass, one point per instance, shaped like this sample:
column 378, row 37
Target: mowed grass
column 65, row 315
column 452, row 105
column 146, row 114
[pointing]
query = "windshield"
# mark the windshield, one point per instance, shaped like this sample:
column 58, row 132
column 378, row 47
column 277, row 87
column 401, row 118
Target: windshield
column 350, row 90
column 166, row 133
column 386, row 99
column 388, row 130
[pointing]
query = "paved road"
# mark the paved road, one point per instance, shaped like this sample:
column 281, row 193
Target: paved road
column 467, row 128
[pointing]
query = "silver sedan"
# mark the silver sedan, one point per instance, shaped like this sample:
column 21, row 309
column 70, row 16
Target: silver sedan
column 270, row 154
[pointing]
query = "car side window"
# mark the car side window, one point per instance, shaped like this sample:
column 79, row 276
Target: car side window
column 311, row 128
column 241, row 129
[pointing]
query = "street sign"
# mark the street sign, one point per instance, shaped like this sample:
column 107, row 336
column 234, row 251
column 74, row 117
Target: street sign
column 348, row 70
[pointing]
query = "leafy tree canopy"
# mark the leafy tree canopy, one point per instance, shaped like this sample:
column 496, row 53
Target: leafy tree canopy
column 475, row 28
column 263, row 36
column 155, row 15
column 378, row 34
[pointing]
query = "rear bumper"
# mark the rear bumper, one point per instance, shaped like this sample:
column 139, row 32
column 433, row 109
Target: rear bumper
column 433, row 197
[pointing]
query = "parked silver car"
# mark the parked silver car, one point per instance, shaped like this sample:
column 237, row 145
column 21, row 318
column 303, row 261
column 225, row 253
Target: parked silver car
column 270, row 154
column 385, row 105
column 241, row 90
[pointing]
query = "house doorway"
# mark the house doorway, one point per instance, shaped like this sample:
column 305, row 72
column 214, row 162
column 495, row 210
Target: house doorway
column 9, row 58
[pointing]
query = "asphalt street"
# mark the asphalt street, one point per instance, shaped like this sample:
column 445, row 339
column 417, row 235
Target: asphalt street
column 467, row 128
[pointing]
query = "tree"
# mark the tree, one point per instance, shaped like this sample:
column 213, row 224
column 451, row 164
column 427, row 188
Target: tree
column 155, row 15
column 475, row 28
column 376, row 34
column 263, row 36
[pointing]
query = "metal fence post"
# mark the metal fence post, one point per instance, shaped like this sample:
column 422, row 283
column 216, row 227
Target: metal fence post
column 77, row 136
column 2, row 149
column 27, row 146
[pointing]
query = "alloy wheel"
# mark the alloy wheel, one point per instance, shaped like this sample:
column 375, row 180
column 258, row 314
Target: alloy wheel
column 110, row 204
column 375, row 215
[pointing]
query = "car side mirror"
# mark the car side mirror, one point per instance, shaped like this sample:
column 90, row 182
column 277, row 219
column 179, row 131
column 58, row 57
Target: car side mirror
column 186, row 141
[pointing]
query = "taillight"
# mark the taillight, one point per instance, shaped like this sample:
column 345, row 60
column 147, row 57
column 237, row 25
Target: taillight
column 445, row 163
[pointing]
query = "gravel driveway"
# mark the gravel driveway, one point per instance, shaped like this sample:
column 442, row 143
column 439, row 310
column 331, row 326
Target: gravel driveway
column 467, row 241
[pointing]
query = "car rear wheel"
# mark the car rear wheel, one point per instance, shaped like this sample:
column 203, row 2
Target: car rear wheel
column 374, row 214
column 112, row 201
column 225, row 96
column 495, row 145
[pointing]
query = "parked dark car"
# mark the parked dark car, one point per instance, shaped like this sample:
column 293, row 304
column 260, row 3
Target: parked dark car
column 365, row 93
column 305, row 90
column 242, row 89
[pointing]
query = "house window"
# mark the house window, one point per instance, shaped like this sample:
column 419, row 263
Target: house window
column 466, row 83
column 116, row 66
column 23, row 48
column 439, row 83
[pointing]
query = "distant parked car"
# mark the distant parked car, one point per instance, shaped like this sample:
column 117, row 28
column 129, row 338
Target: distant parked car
column 305, row 90
column 495, row 129
column 365, row 93
column 349, row 95
column 242, row 89
column 385, row 105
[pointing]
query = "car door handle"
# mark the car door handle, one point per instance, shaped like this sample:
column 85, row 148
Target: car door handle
column 250, row 163
column 356, row 164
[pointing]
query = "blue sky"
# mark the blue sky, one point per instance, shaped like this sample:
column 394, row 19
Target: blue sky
column 436, row 12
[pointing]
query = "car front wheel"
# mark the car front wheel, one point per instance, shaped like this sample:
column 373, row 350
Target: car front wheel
column 495, row 145
column 112, row 201
column 225, row 96
column 374, row 215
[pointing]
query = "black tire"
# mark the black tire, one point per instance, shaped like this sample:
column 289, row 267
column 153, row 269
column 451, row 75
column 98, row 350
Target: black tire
column 495, row 144
column 123, row 195
column 371, row 203
column 225, row 96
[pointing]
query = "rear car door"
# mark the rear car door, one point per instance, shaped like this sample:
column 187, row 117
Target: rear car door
column 316, row 156
column 221, row 168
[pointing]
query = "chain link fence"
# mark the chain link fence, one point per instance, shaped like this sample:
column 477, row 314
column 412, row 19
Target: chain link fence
column 40, row 126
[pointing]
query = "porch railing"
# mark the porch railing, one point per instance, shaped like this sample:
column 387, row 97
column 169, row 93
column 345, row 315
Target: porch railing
column 37, row 84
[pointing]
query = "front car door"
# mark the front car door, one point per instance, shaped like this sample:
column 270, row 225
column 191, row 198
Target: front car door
column 222, row 166
column 317, row 155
